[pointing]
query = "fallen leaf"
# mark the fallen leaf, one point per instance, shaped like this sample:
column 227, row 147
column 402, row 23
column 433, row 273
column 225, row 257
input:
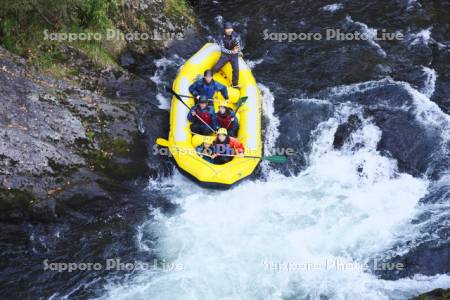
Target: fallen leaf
column 23, row 128
column 88, row 99
column 57, row 190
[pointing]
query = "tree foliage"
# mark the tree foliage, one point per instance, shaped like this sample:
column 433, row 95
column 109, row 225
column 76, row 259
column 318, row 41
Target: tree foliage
column 21, row 20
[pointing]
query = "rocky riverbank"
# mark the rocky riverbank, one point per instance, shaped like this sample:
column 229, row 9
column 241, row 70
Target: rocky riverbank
column 77, row 129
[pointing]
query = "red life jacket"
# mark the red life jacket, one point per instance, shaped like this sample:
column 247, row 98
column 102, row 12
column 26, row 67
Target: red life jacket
column 204, row 115
column 224, row 119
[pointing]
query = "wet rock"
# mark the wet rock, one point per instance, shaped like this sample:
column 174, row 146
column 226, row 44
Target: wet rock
column 127, row 60
column 414, row 75
column 391, row 106
column 44, row 211
column 409, row 141
column 58, row 141
column 150, row 17
column 437, row 294
column 344, row 130
column 383, row 93
column 155, row 124
column 298, row 121
column 428, row 256
column 428, row 259
column 441, row 63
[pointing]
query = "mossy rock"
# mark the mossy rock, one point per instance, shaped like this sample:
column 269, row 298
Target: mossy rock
column 14, row 204
column 437, row 294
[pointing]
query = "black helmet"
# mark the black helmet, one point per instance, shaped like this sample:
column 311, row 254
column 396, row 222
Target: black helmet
column 203, row 99
column 208, row 73
column 227, row 25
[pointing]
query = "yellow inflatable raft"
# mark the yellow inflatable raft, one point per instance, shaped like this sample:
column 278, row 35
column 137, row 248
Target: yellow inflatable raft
column 182, row 142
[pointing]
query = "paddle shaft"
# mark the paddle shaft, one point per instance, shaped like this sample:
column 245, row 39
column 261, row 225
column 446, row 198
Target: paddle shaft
column 198, row 117
column 237, row 108
column 192, row 97
column 231, row 155
column 234, row 155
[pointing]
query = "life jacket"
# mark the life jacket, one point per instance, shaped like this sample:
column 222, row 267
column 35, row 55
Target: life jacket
column 229, row 146
column 223, row 147
column 204, row 115
column 237, row 146
column 225, row 119
column 207, row 89
column 230, row 41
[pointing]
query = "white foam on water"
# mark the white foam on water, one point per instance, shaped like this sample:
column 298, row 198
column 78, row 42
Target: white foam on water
column 159, row 77
column 252, row 63
column 429, row 112
column 307, row 236
column 423, row 36
column 412, row 4
column 425, row 110
column 310, row 100
column 359, row 87
column 430, row 81
column 371, row 34
column 332, row 7
column 271, row 121
column 164, row 102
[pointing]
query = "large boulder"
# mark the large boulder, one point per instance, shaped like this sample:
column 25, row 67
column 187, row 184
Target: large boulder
column 437, row 294
column 156, row 125
column 297, row 122
column 409, row 141
column 429, row 254
column 58, row 141
column 417, row 145
column 344, row 130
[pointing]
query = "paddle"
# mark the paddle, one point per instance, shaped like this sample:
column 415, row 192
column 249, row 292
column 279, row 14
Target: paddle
column 241, row 101
column 168, row 89
column 279, row 159
column 184, row 103
column 162, row 142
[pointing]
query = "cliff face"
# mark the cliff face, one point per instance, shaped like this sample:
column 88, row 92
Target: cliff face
column 80, row 131
column 437, row 294
column 57, row 140
column 161, row 19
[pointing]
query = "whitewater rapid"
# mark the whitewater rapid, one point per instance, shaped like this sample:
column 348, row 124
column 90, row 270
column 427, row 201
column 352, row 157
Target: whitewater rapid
column 303, row 237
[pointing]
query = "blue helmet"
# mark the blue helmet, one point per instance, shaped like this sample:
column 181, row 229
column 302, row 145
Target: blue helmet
column 227, row 25
column 207, row 73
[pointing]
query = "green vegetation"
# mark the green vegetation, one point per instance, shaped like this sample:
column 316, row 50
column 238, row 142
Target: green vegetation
column 38, row 30
column 105, row 159
column 10, row 198
column 179, row 8
column 29, row 28
column 24, row 25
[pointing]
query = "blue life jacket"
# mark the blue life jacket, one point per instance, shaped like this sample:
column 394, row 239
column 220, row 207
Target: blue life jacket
column 201, row 87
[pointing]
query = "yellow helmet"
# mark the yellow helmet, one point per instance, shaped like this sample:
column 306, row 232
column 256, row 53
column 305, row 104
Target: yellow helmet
column 208, row 140
column 224, row 103
column 222, row 131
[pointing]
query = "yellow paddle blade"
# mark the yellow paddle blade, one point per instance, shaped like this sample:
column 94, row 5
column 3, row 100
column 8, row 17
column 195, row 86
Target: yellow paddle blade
column 162, row 142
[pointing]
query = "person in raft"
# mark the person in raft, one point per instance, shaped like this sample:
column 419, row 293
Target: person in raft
column 205, row 150
column 230, row 47
column 226, row 147
column 203, row 117
column 207, row 86
column 226, row 118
